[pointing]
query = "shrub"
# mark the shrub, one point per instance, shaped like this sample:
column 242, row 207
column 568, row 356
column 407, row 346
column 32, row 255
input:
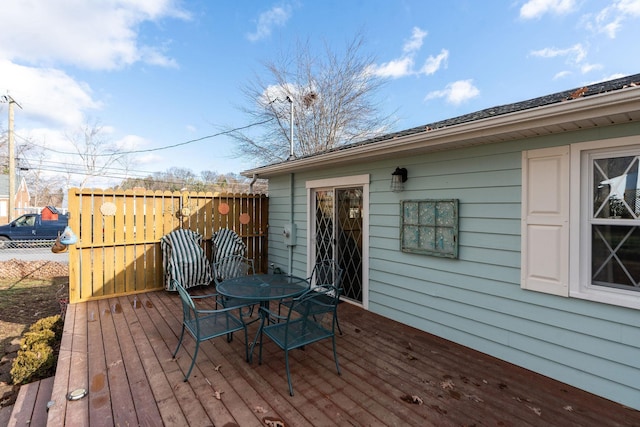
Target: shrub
column 37, row 356
column 30, row 339
column 53, row 323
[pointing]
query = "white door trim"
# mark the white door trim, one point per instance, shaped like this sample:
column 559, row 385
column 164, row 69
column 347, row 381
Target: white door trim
column 345, row 181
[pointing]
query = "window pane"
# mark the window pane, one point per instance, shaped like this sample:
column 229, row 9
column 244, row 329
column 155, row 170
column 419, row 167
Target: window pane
column 615, row 260
column 430, row 227
column 615, row 188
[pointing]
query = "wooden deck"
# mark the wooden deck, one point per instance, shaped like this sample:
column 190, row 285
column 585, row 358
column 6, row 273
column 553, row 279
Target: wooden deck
column 391, row 375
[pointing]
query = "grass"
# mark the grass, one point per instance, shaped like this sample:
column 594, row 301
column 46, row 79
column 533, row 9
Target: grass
column 24, row 301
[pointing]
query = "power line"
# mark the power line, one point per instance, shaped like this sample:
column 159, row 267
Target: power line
column 149, row 150
column 118, row 173
column 40, row 164
column 108, row 175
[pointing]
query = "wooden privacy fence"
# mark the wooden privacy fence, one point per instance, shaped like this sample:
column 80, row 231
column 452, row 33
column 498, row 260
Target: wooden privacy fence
column 118, row 250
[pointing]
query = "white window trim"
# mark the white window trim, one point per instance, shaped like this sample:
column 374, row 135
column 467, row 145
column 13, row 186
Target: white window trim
column 345, row 181
column 579, row 233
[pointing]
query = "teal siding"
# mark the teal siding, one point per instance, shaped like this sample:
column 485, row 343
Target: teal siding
column 476, row 300
column 279, row 217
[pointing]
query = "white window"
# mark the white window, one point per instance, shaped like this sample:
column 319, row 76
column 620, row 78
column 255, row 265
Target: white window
column 581, row 221
column 605, row 229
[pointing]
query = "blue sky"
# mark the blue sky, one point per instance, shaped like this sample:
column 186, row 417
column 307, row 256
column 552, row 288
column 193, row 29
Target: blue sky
column 156, row 73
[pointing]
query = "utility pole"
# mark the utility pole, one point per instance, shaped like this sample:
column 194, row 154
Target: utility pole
column 12, row 160
column 291, row 155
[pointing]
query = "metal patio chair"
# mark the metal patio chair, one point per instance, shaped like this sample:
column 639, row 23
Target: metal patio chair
column 312, row 318
column 206, row 324
column 230, row 267
column 325, row 273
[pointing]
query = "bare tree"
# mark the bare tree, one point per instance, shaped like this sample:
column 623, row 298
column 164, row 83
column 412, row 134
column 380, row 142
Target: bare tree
column 97, row 153
column 333, row 100
column 24, row 149
column 177, row 179
column 46, row 189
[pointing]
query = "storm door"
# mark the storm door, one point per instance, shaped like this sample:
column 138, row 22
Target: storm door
column 337, row 233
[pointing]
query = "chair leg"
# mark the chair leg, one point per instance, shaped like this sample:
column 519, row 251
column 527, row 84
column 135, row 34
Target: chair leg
column 279, row 310
column 260, row 353
column 193, row 361
column 286, row 362
column 338, row 325
column 335, row 354
column 179, row 342
column 246, row 344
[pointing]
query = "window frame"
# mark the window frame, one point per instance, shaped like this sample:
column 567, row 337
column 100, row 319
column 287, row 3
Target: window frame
column 452, row 205
column 580, row 286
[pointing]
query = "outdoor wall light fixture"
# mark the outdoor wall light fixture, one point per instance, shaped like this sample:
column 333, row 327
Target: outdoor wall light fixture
column 398, row 178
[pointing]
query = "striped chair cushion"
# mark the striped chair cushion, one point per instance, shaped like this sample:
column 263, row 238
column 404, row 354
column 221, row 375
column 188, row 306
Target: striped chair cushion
column 183, row 259
column 227, row 242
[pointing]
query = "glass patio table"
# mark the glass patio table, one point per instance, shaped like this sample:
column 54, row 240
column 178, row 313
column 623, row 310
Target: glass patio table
column 263, row 288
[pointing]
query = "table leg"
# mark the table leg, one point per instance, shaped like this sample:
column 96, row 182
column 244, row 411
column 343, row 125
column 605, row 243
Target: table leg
column 263, row 314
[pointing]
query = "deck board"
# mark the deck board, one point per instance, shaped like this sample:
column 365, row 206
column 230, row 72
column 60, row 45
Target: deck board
column 99, row 392
column 124, row 358
column 116, row 353
column 150, row 344
column 142, row 396
column 56, row 413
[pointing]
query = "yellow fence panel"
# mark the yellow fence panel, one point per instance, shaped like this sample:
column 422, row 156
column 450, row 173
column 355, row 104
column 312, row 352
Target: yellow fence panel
column 118, row 250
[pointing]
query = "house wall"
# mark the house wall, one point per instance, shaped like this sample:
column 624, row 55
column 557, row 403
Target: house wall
column 21, row 200
column 477, row 300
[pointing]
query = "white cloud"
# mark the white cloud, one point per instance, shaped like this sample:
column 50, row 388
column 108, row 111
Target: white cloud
column 277, row 94
column 561, row 74
column 397, row 68
column 92, row 35
column 49, row 138
column 415, row 42
column 48, row 95
column 456, row 93
column 275, row 17
column 536, row 8
column 404, row 65
column 131, row 143
column 433, row 64
column 150, row 159
column 575, row 56
column 586, row 68
column 610, row 20
column 38, row 43
column 629, row 7
column 576, row 53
